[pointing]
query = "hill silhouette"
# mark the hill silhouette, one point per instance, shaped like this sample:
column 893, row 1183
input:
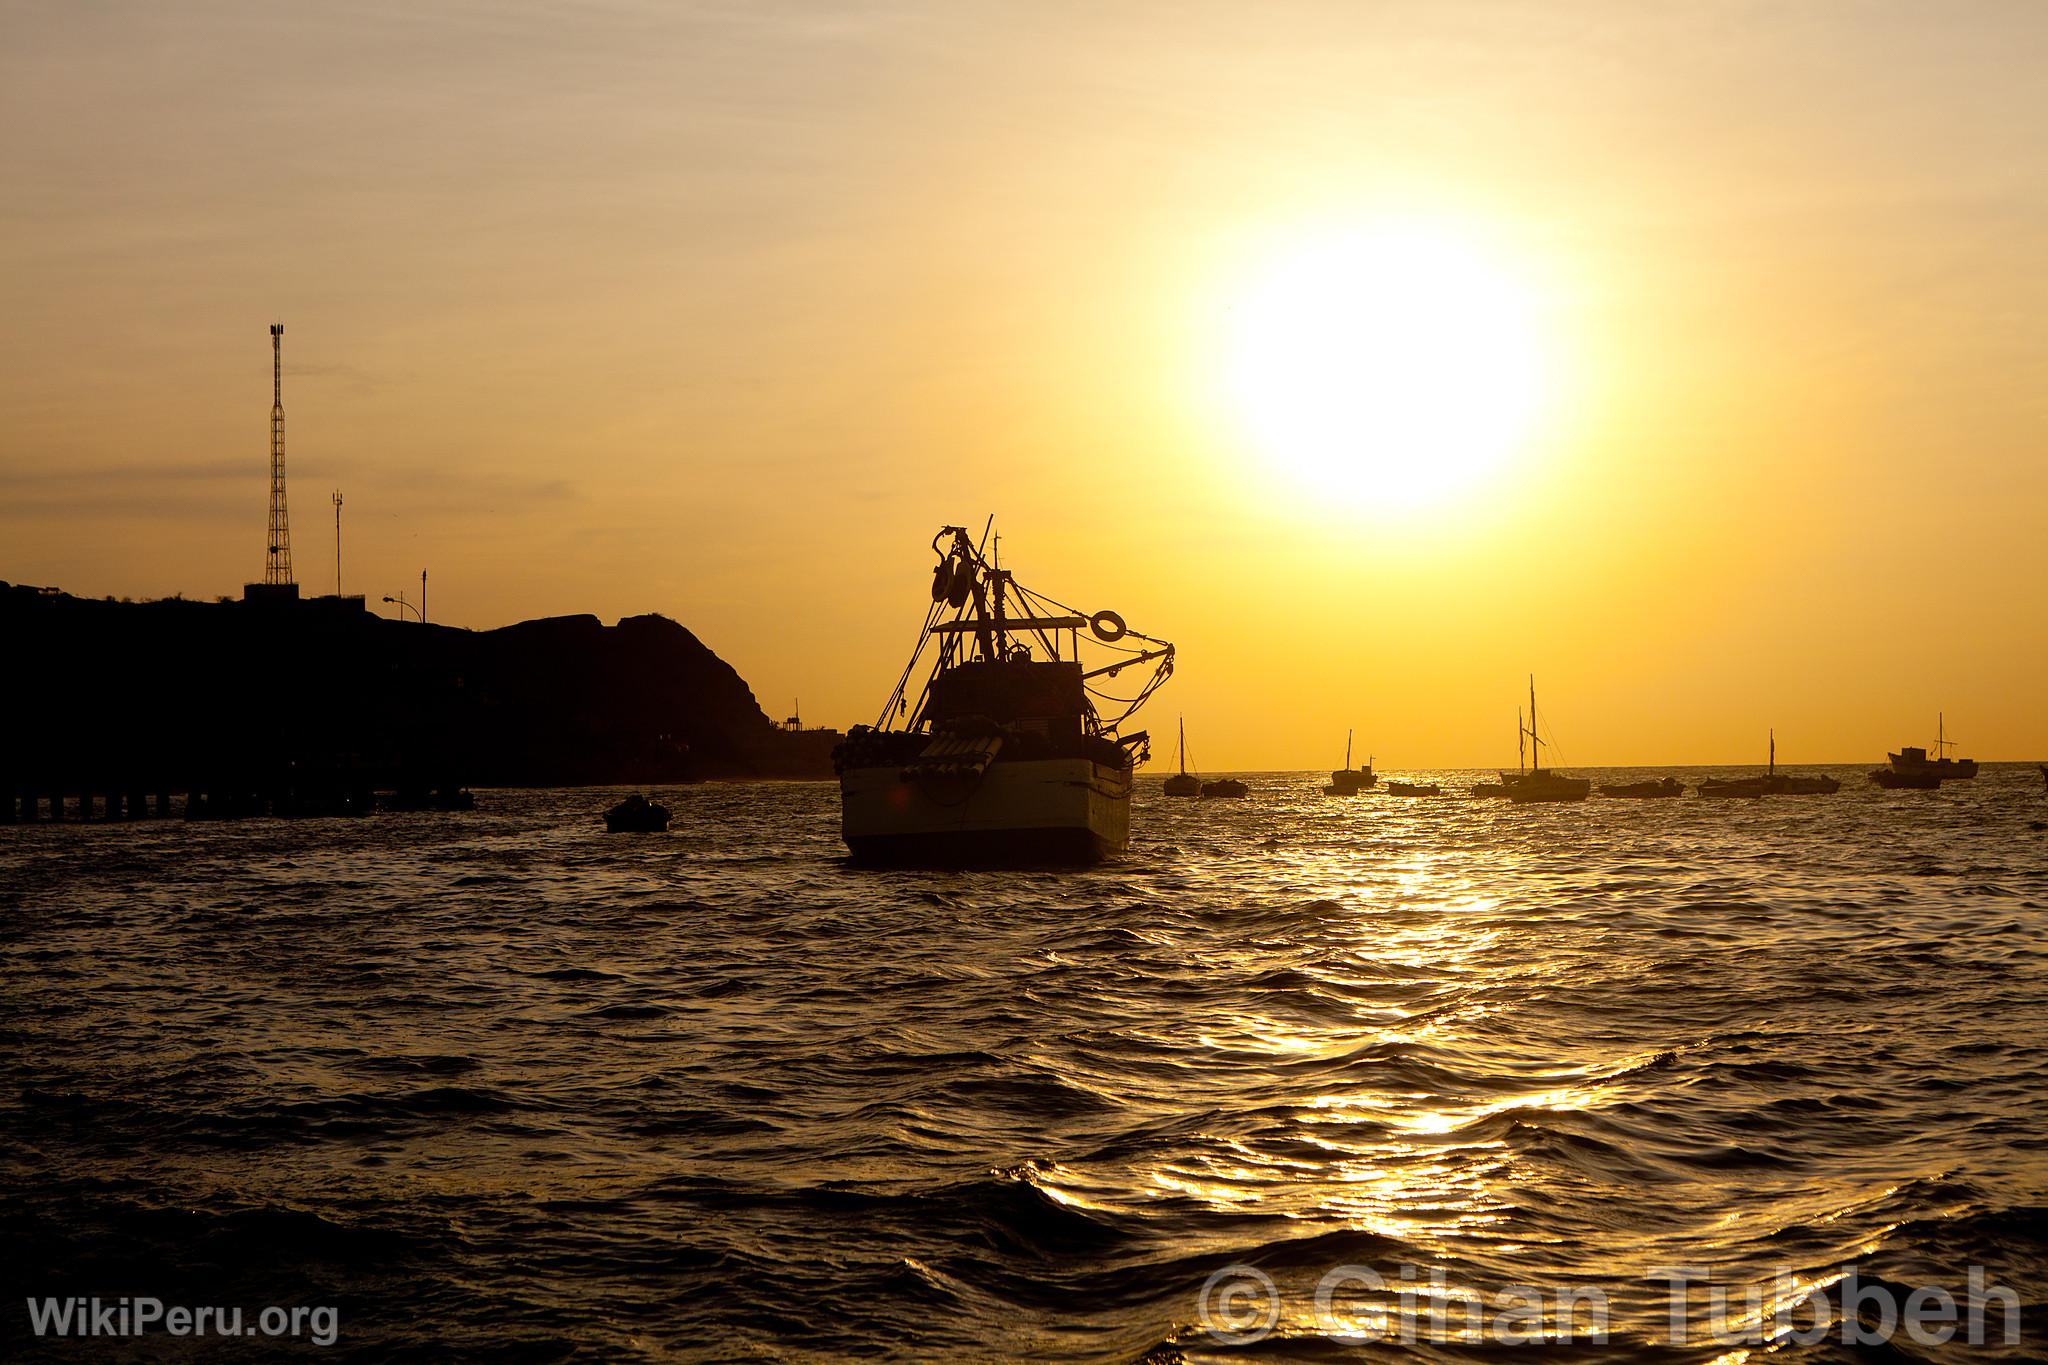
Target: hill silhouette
column 177, row 695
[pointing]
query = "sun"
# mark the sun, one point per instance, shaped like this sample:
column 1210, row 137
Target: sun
column 1385, row 366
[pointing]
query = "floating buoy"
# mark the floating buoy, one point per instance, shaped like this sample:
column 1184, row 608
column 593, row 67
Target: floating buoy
column 1108, row 626
column 963, row 584
column 942, row 580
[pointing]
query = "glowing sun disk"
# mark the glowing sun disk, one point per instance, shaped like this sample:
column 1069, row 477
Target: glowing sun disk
column 1386, row 367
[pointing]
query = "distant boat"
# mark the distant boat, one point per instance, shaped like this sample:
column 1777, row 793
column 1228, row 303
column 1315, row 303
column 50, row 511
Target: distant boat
column 1350, row 781
column 1226, row 787
column 1536, row 782
column 1945, row 769
column 1183, row 783
column 636, row 815
column 1668, row 786
column 1912, row 779
column 1414, row 789
column 1770, row 783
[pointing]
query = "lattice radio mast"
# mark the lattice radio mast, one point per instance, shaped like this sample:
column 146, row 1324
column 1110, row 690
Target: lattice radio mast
column 277, row 568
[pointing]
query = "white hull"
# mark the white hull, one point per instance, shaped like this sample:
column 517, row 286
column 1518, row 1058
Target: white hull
column 1037, row 810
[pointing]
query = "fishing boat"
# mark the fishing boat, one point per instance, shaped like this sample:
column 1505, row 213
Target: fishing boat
column 1002, row 756
column 1228, row 788
column 1183, row 783
column 1910, row 759
column 1667, row 786
column 1770, row 783
column 1537, row 783
column 1350, row 781
column 1413, row 789
column 1911, row 779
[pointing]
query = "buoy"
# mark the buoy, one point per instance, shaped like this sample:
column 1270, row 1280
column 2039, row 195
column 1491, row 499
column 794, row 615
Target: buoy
column 1108, row 626
column 963, row 584
column 942, row 580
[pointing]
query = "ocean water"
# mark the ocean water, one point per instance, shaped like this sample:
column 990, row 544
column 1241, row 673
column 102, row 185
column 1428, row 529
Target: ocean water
column 499, row 1086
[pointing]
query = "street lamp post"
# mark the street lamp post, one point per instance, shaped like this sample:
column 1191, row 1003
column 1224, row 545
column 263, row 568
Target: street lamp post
column 403, row 605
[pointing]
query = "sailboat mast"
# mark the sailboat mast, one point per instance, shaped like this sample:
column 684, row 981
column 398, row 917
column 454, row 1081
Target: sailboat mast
column 1535, row 741
column 1774, row 753
column 1521, row 742
column 1183, row 746
column 1347, row 751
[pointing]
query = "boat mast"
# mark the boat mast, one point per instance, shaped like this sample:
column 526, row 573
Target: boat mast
column 1347, row 751
column 1521, row 743
column 1774, row 753
column 1535, row 741
column 1183, row 746
column 998, row 578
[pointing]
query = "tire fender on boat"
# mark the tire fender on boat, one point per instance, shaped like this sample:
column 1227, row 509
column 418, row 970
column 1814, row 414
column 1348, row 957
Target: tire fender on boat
column 1108, row 626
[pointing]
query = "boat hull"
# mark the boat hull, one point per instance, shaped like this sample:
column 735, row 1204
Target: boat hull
column 1645, row 791
column 1038, row 811
column 1544, row 786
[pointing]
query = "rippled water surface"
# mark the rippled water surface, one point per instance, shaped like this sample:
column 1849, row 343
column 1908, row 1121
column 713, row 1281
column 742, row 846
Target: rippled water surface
column 500, row 1086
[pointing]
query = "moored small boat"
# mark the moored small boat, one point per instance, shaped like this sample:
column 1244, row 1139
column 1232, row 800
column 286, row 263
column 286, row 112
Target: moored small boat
column 1536, row 783
column 1224, row 787
column 1771, row 782
column 1918, row 779
column 1912, row 759
column 1350, row 781
column 636, row 815
column 1414, row 789
column 1725, row 787
column 1667, row 786
column 1183, row 783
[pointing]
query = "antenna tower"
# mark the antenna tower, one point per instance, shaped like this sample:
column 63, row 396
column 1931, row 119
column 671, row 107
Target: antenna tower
column 277, row 567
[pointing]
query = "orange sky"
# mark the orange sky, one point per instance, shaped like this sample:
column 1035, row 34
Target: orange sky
column 720, row 310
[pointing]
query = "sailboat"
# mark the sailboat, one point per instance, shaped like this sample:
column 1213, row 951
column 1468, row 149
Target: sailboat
column 1910, row 759
column 1538, row 783
column 1771, row 783
column 1004, row 758
column 1183, row 783
column 1350, row 781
